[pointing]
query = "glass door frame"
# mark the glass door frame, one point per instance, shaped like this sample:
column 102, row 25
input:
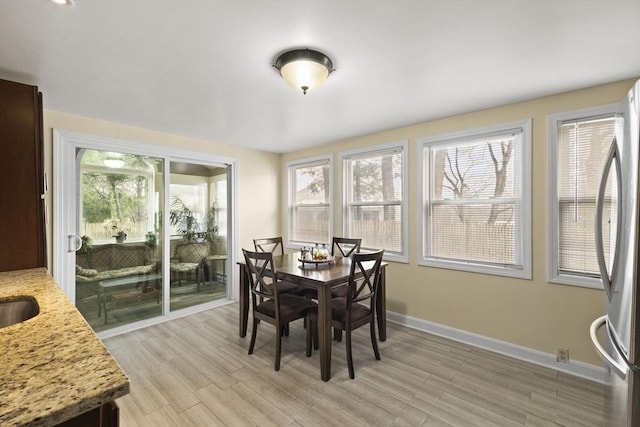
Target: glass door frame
column 65, row 170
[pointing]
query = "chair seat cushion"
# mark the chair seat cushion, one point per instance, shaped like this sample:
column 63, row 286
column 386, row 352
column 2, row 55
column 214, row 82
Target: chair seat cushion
column 291, row 307
column 339, row 310
column 116, row 274
column 285, row 287
column 183, row 267
column 339, row 291
column 313, row 294
column 86, row 272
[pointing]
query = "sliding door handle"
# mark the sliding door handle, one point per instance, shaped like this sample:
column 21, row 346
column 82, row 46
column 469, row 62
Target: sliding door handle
column 75, row 242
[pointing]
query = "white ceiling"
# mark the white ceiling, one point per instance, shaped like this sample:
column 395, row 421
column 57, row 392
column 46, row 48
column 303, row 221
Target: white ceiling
column 203, row 68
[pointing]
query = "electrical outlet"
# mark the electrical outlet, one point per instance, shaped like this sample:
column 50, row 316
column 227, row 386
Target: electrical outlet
column 562, row 355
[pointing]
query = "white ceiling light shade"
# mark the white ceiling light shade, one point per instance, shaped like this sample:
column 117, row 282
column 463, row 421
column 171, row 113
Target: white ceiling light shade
column 113, row 160
column 304, row 68
column 63, row 2
column 114, row 163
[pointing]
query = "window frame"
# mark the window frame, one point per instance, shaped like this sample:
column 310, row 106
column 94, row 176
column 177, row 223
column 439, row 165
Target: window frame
column 524, row 227
column 402, row 146
column 553, row 120
column 307, row 162
column 222, row 210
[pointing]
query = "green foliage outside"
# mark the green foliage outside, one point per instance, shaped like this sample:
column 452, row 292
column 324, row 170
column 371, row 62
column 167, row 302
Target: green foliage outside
column 113, row 197
column 188, row 225
column 117, row 197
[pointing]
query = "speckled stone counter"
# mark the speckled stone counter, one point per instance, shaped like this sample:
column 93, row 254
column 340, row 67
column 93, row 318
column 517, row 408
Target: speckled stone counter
column 53, row 367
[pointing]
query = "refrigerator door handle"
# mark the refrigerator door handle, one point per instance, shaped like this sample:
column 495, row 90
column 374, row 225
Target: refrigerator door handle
column 620, row 369
column 612, row 156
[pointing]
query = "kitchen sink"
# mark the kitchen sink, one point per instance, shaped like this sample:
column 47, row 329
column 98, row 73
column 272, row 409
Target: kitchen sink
column 17, row 309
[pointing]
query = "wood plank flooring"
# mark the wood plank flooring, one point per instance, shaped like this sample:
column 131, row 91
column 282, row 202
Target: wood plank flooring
column 195, row 371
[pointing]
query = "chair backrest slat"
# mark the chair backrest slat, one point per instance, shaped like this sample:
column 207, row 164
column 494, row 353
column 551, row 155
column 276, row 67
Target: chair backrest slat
column 365, row 287
column 191, row 251
column 269, row 244
column 260, row 270
column 345, row 246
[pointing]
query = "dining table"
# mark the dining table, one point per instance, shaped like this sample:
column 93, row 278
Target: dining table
column 323, row 277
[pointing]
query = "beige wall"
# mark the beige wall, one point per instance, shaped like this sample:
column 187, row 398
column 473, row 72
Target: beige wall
column 531, row 313
column 258, row 172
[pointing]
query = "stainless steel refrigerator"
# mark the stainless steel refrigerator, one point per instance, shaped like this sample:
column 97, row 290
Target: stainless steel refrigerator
column 620, row 346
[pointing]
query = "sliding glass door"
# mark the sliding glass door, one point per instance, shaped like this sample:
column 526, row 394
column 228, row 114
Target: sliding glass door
column 140, row 237
column 118, row 277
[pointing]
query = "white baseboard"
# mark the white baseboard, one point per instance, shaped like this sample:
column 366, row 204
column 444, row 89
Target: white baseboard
column 576, row 368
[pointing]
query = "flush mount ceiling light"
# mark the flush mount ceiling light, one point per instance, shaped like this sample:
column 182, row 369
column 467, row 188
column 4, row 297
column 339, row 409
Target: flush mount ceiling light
column 113, row 161
column 63, row 2
column 304, row 68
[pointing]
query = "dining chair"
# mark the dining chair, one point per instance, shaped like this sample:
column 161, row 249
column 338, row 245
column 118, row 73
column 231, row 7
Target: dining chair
column 358, row 307
column 275, row 246
column 345, row 246
column 269, row 244
column 188, row 262
column 270, row 305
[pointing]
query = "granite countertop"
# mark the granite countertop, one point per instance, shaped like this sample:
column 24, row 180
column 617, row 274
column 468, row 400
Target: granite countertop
column 53, row 367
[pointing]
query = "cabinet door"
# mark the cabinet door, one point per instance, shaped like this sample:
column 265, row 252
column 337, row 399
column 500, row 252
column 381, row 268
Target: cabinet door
column 22, row 235
column 107, row 415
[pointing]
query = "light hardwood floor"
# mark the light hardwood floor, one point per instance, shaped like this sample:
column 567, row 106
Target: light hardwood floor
column 195, row 371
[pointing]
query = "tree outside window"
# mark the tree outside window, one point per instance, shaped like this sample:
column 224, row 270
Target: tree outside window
column 375, row 198
column 309, row 201
column 475, row 198
column 116, row 198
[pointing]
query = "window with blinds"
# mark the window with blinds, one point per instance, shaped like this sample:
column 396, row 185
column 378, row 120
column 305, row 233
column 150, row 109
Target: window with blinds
column 476, row 192
column 580, row 144
column 309, row 219
column 375, row 205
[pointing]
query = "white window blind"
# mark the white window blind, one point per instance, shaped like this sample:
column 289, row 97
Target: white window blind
column 374, row 191
column 309, row 202
column 474, row 199
column 582, row 147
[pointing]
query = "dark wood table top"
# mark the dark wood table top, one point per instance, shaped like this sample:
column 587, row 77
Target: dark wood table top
column 324, row 274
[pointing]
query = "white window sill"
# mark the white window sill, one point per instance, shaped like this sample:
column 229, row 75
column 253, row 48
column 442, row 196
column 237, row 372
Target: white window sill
column 579, row 281
column 478, row 268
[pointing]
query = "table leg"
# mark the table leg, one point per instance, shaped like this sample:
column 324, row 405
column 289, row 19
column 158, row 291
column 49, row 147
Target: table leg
column 244, row 301
column 381, row 305
column 324, row 331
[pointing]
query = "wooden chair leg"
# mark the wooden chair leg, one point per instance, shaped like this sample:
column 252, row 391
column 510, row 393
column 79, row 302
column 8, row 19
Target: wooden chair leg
column 374, row 343
column 278, row 347
column 309, row 333
column 349, row 355
column 254, row 331
column 284, row 330
column 314, row 331
column 337, row 334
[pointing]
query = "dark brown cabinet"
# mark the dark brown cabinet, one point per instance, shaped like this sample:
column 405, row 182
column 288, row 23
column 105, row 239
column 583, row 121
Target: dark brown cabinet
column 107, row 415
column 22, row 226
